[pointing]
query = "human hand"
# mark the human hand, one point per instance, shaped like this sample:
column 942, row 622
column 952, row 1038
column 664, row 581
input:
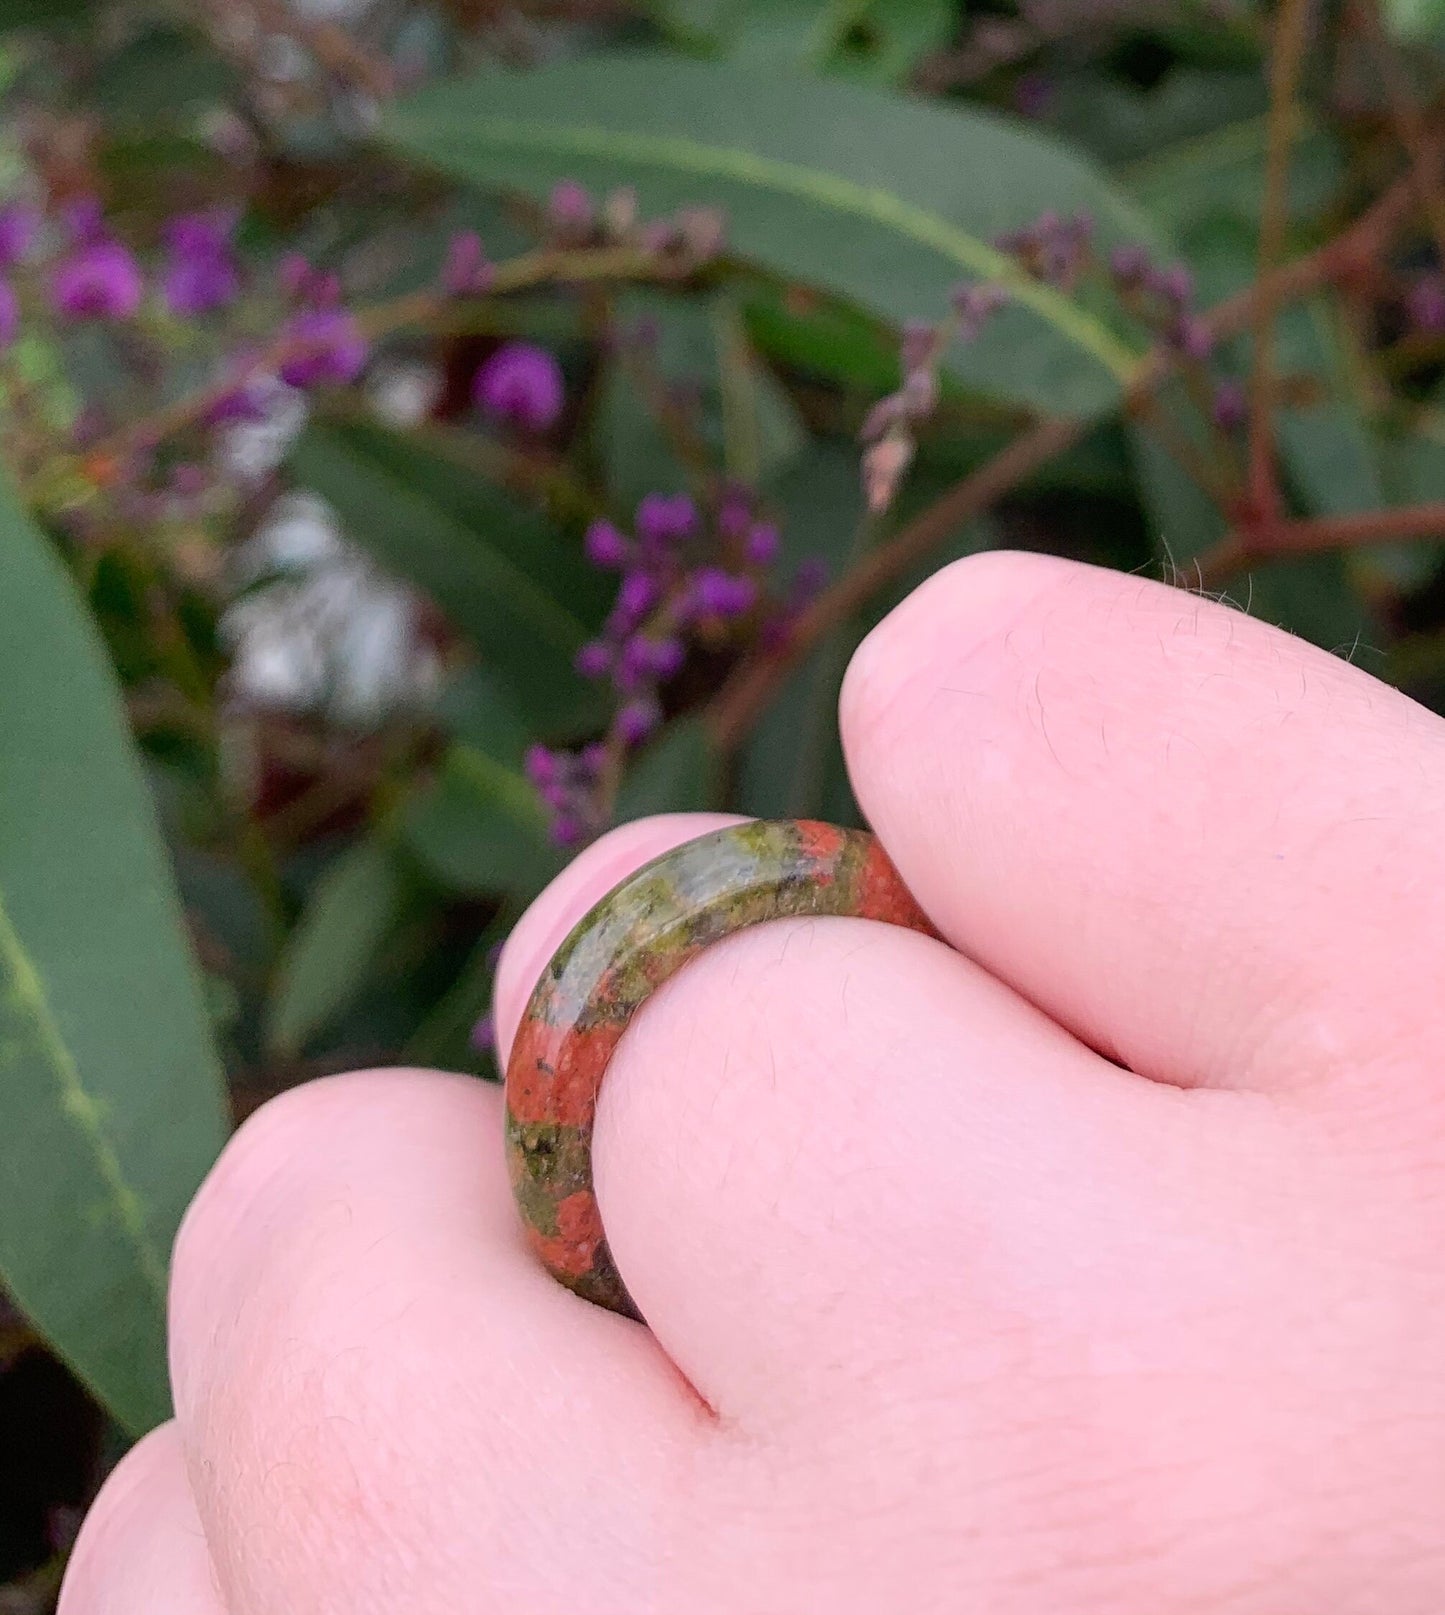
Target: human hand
column 1098, row 1266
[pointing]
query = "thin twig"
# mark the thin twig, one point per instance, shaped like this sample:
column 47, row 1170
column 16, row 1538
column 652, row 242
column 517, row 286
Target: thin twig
column 1235, row 552
column 748, row 691
column 1284, row 67
column 530, row 269
column 1407, row 118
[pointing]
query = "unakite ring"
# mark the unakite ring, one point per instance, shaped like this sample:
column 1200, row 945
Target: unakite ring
column 638, row 936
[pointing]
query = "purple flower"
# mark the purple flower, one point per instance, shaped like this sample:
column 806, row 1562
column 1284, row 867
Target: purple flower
column 542, row 766
column 974, row 305
column 557, row 794
column 1128, row 265
column 245, row 402
column 763, row 543
column 665, row 657
column 635, row 598
column 467, row 271
column 1193, row 338
column 1175, row 284
column 567, row 830
column 604, row 545
column 84, row 219
column 594, row 660
column 328, row 348
column 19, row 226
column 593, row 758
column 201, row 274
column 9, row 315
column 716, row 593
column 99, row 280
column 919, row 340
column 484, row 1035
column 637, row 720
column 522, row 385
column 646, row 659
column 665, row 519
column 570, row 210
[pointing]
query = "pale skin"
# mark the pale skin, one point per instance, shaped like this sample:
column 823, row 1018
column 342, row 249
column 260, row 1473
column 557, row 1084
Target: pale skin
column 1095, row 1263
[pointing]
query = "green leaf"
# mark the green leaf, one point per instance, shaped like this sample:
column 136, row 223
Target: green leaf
column 1415, row 19
column 510, row 582
column 479, row 828
column 829, row 339
column 794, row 749
column 677, row 773
column 165, row 73
column 353, row 908
column 42, row 13
column 112, row 1106
column 872, row 197
column 1222, row 173
column 737, row 410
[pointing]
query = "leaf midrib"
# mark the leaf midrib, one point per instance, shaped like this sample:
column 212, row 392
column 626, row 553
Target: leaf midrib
column 22, row 990
column 811, row 184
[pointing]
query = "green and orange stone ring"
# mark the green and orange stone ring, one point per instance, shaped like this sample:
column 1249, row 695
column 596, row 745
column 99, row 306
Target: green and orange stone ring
column 641, row 933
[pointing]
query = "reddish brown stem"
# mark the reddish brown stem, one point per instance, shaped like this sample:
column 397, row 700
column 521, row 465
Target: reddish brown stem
column 1290, row 29
column 1243, row 546
column 748, row 691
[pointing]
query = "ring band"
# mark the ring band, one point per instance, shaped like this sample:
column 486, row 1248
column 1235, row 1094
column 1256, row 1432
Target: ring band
column 639, row 935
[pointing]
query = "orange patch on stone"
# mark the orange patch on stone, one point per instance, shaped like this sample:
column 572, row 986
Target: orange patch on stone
column 821, row 844
column 555, row 1071
column 572, row 1250
column 883, row 896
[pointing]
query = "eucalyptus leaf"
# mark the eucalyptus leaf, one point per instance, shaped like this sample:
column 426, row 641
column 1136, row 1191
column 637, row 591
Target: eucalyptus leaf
column 677, row 773
column 111, row 1100
column 353, row 908
column 880, row 200
column 478, row 828
column 513, row 584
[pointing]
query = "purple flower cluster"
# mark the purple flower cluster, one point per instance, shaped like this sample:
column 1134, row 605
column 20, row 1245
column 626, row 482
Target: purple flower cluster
column 325, row 346
column 521, row 386
column 675, row 577
column 201, row 272
column 684, row 577
column 97, row 277
column 1162, row 296
column 567, row 783
column 467, row 271
column 694, row 235
column 1052, row 249
column 889, row 427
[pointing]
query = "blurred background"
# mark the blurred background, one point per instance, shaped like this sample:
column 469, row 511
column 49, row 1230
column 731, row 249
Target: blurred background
column 432, row 431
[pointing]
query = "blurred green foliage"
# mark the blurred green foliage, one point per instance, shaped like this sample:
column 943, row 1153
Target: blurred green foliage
column 250, row 833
